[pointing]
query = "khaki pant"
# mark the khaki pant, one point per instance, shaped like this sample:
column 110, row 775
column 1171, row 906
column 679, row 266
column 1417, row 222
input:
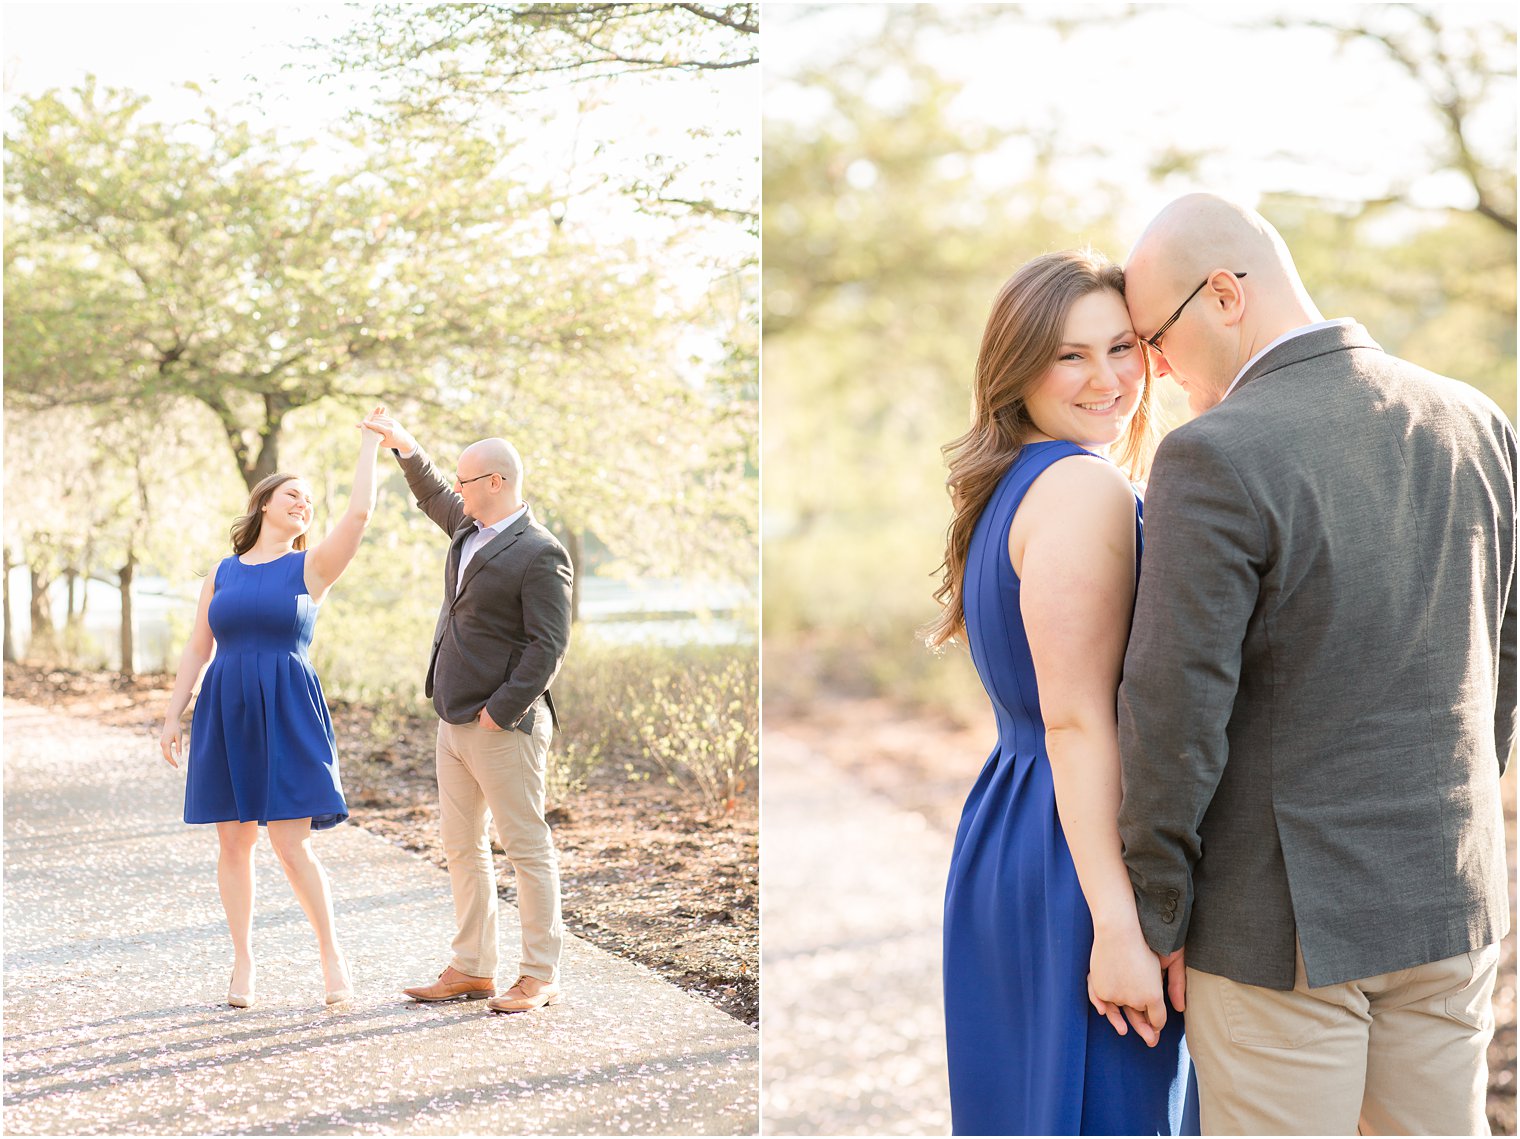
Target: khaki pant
column 503, row 772
column 1403, row 1053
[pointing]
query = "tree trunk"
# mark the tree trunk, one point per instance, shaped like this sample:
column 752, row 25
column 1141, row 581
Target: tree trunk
column 124, row 576
column 71, row 577
column 44, row 636
column 575, row 547
column 268, row 459
column 253, row 467
column 10, row 641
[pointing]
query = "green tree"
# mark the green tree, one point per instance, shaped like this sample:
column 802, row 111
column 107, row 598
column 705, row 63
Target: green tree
column 148, row 266
column 96, row 494
column 1464, row 70
column 223, row 269
column 444, row 68
column 451, row 64
column 477, row 52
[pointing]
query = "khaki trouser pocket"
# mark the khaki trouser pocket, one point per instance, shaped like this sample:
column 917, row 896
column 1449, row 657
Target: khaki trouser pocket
column 1473, row 1003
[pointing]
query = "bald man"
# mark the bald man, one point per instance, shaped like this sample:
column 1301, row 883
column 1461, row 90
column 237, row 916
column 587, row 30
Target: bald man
column 1318, row 698
column 500, row 639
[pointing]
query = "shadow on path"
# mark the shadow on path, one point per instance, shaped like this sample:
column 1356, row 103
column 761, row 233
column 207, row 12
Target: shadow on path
column 117, row 964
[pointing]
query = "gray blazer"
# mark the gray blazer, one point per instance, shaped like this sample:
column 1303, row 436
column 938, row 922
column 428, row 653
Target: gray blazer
column 1319, row 692
column 501, row 637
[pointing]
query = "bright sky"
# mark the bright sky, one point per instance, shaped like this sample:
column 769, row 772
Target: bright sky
column 1286, row 110
column 154, row 48
column 250, row 53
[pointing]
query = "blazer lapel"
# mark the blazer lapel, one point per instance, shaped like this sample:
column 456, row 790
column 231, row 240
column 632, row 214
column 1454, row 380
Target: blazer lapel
column 456, row 551
column 502, row 541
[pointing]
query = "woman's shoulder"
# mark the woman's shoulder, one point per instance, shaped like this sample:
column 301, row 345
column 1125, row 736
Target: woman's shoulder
column 217, row 574
column 1074, row 480
column 1075, row 499
column 1062, row 460
column 1054, row 476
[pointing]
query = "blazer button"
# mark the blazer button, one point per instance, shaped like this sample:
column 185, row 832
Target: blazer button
column 1169, row 917
column 1172, row 894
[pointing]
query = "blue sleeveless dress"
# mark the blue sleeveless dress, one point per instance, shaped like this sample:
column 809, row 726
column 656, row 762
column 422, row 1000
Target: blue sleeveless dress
column 1027, row 1053
column 261, row 739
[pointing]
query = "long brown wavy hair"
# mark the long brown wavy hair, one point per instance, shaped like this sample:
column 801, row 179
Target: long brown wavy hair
column 1024, row 332
column 245, row 531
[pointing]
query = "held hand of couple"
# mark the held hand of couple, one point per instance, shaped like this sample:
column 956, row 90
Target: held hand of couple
column 391, row 433
column 1125, row 982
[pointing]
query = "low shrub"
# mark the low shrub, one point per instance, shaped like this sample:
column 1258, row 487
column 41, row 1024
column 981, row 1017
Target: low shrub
column 690, row 715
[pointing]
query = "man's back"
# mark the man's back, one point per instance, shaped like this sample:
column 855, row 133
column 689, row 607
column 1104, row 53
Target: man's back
column 1337, row 538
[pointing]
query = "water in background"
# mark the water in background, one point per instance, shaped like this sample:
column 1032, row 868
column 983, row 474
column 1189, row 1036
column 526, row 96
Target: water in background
column 666, row 611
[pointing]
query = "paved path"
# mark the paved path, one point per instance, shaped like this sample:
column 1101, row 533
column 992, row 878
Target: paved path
column 116, row 962
column 850, row 1013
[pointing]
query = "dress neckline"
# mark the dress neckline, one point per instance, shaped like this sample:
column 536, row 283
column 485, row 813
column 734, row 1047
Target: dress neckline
column 1068, row 442
column 270, row 562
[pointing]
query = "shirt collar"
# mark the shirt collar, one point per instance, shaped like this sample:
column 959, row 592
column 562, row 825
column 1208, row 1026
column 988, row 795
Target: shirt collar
column 497, row 527
column 1302, row 330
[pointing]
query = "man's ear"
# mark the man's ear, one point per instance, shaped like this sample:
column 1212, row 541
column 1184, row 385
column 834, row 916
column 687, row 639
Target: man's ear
column 1225, row 292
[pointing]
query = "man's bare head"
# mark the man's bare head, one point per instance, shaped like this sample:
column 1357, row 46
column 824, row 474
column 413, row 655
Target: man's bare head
column 493, row 455
column 1201, row 232
column 489, row 479
column 1251, row 292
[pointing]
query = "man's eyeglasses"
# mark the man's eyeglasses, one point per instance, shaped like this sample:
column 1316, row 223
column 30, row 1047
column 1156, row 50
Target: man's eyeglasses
column 1154, row 340
column 464, row 482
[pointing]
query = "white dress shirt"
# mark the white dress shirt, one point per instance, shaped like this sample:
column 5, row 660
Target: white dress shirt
column 482, row 535
column 1283, row 339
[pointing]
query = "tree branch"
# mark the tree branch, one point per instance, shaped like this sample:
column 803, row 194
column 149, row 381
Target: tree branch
column 747, row 23
column 213, row 399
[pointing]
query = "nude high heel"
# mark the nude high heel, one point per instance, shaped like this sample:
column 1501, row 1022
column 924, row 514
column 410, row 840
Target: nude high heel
column 339, row 996
column 241, row 1000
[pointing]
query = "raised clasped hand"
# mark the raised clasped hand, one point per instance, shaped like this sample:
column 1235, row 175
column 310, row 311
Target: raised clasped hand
column 1124, row 982
column 391, row 433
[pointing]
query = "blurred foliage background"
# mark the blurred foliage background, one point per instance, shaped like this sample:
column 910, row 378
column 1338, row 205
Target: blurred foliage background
column 535, row 221
column 915, row 156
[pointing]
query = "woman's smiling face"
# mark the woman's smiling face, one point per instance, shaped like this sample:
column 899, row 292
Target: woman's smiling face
column 1090, row 391
column 289, row 509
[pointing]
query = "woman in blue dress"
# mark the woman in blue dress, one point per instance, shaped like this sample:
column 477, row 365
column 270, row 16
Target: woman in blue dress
column 262, row 750
column 1039, row 579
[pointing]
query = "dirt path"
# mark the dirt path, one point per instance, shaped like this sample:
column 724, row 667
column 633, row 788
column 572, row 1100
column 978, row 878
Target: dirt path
column 116, row 969
column 851, row 1022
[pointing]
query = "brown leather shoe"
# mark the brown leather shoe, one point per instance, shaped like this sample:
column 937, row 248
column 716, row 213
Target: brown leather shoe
column 452, row 985
column 528, row 993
